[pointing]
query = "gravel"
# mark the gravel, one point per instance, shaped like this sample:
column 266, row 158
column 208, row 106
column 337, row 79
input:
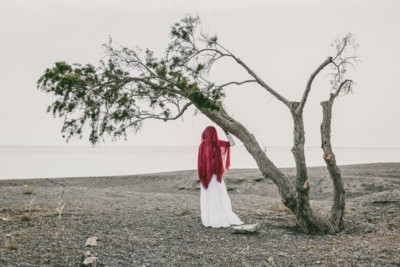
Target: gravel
column 154, row 220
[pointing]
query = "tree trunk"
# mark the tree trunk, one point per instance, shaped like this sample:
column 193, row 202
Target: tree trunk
column 303, row 211
column 308, row 221
column 266, row 166
column 296, row 200
column 334, row 171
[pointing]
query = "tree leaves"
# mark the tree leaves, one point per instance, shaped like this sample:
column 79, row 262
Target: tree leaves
column 129, row 86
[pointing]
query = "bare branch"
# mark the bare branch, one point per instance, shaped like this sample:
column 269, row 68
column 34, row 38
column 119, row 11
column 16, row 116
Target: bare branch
column 181, row 111
column 345, row 85
column 309, row 83
column 346, row 56
column 237, row 83
column 261, row 82
column 141, row 117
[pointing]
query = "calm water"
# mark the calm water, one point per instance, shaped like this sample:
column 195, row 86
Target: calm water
column 45, row 162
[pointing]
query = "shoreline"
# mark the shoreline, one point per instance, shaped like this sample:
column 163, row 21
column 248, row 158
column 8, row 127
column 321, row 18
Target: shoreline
column 154, row 220
column 186, row 170
column 86, row 162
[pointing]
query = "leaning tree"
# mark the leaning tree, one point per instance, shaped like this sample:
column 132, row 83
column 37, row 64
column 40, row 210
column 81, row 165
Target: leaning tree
column 132, row 85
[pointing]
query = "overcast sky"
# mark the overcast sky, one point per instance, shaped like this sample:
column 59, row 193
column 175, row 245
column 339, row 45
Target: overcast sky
column 282, row 41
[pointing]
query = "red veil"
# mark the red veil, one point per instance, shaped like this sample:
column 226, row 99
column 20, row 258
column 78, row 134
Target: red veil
column 212, row 154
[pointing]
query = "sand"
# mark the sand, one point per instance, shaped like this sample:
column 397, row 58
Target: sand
column 154, row 220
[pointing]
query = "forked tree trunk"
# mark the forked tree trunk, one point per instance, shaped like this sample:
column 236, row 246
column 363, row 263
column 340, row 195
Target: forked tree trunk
column 308, row 221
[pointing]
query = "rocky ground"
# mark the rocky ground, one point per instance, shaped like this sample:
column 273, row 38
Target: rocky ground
column 154, row 220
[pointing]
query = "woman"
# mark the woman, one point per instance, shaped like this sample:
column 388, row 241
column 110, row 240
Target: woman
column 213, row 160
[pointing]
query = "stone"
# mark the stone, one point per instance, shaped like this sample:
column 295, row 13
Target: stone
column 91, row 241
column 271, row 261
column 89, row 262
column 394, row 223
column 86, row 255
column 245, row 228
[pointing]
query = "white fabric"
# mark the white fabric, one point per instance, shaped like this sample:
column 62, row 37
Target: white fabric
column 215, row 205
column 230, row 139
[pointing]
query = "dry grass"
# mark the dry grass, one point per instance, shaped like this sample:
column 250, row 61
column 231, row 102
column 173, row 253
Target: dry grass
column 25, row 217
column 278, row 206
column 186, row 211
column 28, row 189
column 11, row 243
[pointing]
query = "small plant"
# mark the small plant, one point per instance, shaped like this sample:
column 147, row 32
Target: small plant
column 60, row 210
column 185, row 211
column 278, row 206
column 25, row 218
column 28, row 189
column 11, row 243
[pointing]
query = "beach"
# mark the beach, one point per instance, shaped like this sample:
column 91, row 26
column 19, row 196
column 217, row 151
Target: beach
column 154, row 220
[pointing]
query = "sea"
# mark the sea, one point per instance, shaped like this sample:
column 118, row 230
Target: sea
column 26, row 162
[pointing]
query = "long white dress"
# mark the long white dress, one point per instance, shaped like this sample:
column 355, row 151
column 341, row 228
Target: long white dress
column 215, row 204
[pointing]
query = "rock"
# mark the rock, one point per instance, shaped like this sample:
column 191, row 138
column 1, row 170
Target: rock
column 86, row 255
column 90, row 262
column 271, row 261
column 245, row 228
column 394, row 223
column 91, row 241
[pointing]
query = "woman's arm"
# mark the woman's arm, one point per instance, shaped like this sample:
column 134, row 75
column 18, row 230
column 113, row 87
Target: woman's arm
column 230, row 139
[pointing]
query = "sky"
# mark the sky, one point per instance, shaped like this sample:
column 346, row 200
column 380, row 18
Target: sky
column 282, row 41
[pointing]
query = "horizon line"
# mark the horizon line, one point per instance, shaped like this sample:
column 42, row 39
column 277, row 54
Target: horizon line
column 267, row 146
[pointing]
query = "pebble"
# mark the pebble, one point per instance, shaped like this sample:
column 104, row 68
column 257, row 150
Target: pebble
column 91, row 241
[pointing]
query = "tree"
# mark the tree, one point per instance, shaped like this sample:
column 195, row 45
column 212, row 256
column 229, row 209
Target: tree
column 130, row 86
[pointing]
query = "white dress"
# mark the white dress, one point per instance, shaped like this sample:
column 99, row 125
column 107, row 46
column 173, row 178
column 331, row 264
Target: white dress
column 215, row 204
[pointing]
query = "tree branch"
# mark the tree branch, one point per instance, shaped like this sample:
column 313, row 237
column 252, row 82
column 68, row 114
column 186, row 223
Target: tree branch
column 237, row 83
column 309, row 83
column 181, row 111
column 261, row 82
column 346, row 84
column 338, row 206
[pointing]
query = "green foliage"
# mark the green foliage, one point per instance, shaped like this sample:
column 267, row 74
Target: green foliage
column 129, row 86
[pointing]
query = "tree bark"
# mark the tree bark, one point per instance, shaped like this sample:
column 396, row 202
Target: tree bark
column 334, row 171
column 308, row 221
column 303, row 211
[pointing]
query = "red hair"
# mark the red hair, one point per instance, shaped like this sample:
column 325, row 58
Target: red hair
column 212, row 152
